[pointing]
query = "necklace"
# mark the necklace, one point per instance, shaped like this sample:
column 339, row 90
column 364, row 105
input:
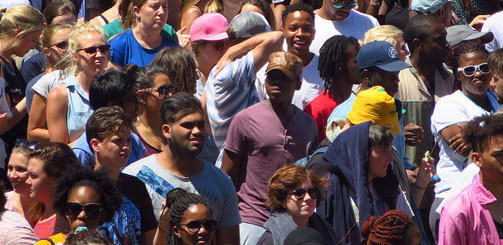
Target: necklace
column 157, row 137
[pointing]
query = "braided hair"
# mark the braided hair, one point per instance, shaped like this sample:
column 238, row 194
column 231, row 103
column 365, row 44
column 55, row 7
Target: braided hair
column 334, row 56
column 391, row 228
column 178, row 200
column 464, row 47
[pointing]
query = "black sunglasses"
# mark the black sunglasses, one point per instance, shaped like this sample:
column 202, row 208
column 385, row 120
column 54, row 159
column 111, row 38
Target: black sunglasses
column 104, row 49
column 162, row 90
column 73, row 209
column 28, row 144
column 194, row 226
column 61, row 45
column 301, row 193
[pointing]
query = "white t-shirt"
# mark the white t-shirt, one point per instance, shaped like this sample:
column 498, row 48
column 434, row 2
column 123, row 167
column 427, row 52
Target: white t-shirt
column 354, row 25
column 47, row 82
column 312, row 84
column 494, row 25
column 449, row 110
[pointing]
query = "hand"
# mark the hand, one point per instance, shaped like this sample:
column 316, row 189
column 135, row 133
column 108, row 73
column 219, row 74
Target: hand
column 3, row 115
column 459, row 146
column 164, row 217
column 425, row 173
column 413, row 134
column 478, row 21
column 226, row 59
column 183, row 39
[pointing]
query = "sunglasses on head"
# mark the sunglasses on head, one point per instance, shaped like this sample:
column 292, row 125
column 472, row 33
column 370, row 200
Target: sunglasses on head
column 61, row 45
column 342, row 4
column 194, row 226
column 162, row 90
column 104, row 49
column 301, row 193
column 28, row 144
column 73, row 209
column 469, row 71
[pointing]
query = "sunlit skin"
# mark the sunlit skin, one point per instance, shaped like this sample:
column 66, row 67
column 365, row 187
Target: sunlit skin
column 25, row 42
column 300, row 210
column 195, row 212
column 153, row 14
column 41, row 184
column 328, row 11
column 299, row 34
column 92, row 63
column 17, row 172
column 497, row 85
column 83, row 195
column 114, row 151
column 379, row 159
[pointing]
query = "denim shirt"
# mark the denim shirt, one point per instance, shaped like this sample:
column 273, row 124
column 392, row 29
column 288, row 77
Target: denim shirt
column 79, row 109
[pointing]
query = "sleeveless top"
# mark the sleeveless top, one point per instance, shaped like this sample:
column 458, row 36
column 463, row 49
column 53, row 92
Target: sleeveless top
column 79, row 109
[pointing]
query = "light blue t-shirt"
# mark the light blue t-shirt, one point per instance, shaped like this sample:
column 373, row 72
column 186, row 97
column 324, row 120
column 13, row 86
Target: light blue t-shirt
column 211, row 183
column 229, row 92
column 125, row 49
column 79, row 109
column 87, row 157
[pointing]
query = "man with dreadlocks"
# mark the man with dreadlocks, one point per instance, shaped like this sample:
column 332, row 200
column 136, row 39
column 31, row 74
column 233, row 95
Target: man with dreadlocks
column 339, row 70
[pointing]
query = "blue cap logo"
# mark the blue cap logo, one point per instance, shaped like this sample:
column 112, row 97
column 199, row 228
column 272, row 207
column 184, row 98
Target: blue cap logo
column 392, row 53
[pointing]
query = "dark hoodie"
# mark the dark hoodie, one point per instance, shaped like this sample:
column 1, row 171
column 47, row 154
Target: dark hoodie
column 349, row 154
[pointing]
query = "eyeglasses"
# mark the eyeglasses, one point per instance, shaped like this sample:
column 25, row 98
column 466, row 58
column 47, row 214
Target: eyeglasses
column 162, row 90
column 299, row 194
column 61, row 45
column 73, row 209
column 104, row 49
column 194, row 226
column 341, row 4
column 28, row 144
column 469, row 71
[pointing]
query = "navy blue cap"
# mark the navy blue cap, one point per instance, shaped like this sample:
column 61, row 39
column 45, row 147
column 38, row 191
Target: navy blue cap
column 380, row 54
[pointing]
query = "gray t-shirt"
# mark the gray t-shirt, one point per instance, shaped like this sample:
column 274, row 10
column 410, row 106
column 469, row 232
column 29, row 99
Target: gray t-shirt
column 210, row 183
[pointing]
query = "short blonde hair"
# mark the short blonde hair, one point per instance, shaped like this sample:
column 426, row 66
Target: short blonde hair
column 24, row 17
column 387, row 33
column 67, row 63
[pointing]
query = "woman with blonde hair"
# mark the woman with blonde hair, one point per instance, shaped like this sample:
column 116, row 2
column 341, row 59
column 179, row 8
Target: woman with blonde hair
column 68, row 105
column 20, row 29
column 54, row 42
column 390, row 34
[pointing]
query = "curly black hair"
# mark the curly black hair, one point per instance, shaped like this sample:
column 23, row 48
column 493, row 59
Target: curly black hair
column 479, row 131
column 110, row 197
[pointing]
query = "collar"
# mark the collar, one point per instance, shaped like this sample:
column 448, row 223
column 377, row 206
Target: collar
column 480, row 192
column 441, row 69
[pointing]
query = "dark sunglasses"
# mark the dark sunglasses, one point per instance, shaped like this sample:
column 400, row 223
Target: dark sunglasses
column 73, row 209
column 301, row 193
column 469, row 71
column 162, row 90
column 61, row 45
column 194, row 226
column 104, row 49
column 342, row 4
column 28, row 144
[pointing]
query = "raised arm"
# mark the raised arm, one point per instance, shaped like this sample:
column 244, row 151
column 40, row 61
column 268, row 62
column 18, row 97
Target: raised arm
column 57, row 107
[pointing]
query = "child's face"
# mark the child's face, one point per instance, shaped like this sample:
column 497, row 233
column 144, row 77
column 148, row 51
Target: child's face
column 497, row 85
column 114, row 151
column 490, row 161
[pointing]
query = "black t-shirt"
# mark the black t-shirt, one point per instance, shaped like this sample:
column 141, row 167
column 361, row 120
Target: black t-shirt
column 398, row 13
column 134, row 190
column 499, row 228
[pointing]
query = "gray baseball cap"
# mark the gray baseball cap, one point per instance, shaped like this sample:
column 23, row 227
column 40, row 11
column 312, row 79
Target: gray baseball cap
column 459, row 33
column 249, row 24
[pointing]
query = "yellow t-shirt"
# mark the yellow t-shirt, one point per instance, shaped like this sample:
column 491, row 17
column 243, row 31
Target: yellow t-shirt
column 58, row 239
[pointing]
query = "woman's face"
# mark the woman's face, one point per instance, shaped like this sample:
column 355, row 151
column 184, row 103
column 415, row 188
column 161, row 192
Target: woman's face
column 78, row 214
column 152, row 14
column 17, row 172
column 194, row 213
column 478, row 83
column 153, row 100
column 57, row 48
column 26, row 42
column 89, row 58
column 300, row 207
column 41, row 184
column 401, row 48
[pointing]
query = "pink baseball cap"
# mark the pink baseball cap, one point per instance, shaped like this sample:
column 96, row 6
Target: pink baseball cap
column 209, row 27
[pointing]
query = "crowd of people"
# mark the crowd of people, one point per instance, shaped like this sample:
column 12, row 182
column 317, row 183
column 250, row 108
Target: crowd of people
column 251, row 122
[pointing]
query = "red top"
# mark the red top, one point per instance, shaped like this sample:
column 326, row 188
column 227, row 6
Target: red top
column 320, row 109
column 46, row 228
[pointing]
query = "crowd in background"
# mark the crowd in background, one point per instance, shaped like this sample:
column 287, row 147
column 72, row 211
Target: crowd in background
column 251, row 122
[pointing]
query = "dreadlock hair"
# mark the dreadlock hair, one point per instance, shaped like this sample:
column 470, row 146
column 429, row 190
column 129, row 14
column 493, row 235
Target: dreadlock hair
column 391, row 228
column 480, row 130
column 464, row 47
column 110, row 197
column 334, row 56
column 178, row 200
